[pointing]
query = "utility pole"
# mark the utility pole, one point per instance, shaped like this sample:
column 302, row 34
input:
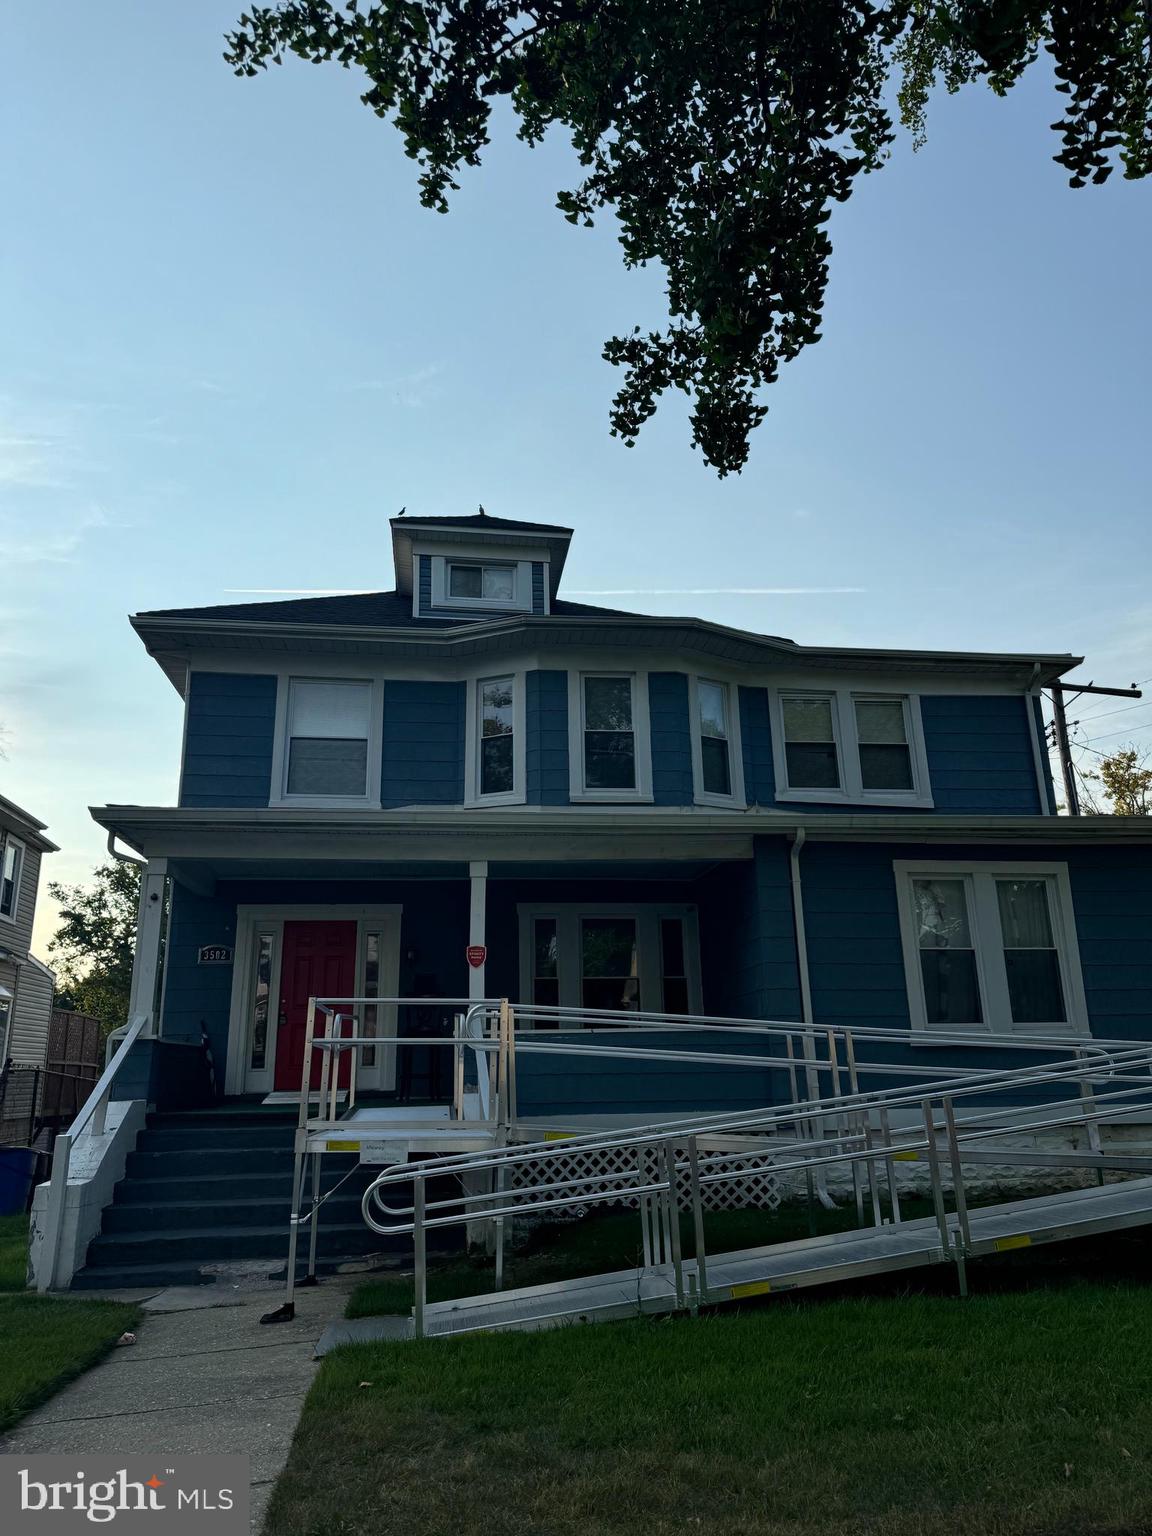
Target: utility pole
column 1060, row 731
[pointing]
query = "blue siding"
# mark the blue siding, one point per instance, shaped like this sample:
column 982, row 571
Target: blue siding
column 423, row 752
column 748, row 938
column 756, row 747
column 228, row 750
column 198, row 996
column 980, row 753
column 538, row 604
column 854, row 952
column 424, row 579
column 546, row 747
column 671, row 738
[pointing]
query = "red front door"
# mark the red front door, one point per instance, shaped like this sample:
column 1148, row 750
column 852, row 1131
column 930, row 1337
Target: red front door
column 319, row 960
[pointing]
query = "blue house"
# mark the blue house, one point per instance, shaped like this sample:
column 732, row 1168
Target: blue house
column 605, row 810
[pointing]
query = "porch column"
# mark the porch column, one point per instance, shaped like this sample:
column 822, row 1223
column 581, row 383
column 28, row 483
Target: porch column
column 477, row 924
column 149, row 938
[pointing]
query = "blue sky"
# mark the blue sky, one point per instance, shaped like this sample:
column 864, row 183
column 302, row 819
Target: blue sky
column 234, row 345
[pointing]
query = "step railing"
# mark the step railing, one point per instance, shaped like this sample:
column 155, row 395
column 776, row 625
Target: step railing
column 92, row 1118
column 863, row 1141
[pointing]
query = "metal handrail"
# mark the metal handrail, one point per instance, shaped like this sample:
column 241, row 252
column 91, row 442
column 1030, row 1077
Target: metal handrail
column 760, row 1121
column 852, row 1145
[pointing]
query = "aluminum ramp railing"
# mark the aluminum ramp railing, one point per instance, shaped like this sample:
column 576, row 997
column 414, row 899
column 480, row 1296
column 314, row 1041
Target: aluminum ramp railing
column 851, row 1131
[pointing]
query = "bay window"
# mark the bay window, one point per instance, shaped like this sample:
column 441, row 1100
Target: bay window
column 608, row 729
column 991, row 946
column 494, row 768
column 716, row 766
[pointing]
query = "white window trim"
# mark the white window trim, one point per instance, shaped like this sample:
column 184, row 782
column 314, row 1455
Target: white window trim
column 518, row 793
column 984, row 917
column 8, row 841
column 851, row 791
column 370, row 800
column 250, row 921
column 520, row 601
column 702, row 796
column 647, row 917
column 641, row 731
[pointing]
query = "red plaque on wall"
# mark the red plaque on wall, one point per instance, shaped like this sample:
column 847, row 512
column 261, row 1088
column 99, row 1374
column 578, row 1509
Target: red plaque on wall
column 477, row 954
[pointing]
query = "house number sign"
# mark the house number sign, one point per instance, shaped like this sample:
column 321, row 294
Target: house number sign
column 214, row 954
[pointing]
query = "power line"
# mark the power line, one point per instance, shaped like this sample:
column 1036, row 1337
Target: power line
column 1108, row 735
column 1104, row 713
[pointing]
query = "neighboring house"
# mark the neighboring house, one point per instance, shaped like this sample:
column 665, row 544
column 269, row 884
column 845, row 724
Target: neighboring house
column 627, row 811
column 26, row 985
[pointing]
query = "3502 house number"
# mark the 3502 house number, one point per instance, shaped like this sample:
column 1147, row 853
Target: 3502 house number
column 214, row 954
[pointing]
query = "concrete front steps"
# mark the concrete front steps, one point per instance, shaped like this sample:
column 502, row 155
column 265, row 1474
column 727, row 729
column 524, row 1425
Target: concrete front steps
column 206, row 1197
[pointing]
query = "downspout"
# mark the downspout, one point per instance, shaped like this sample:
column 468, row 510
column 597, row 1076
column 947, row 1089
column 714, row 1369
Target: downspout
column 124, row 858
column 796, row 840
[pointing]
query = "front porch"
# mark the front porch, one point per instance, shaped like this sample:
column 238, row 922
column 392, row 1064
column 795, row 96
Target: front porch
column 245, row 949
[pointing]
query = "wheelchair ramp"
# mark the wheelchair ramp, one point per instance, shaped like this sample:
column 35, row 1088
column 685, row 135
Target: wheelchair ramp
column 782, row 1267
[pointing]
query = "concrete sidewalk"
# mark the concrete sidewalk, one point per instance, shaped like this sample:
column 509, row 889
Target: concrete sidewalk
column 203, row 1376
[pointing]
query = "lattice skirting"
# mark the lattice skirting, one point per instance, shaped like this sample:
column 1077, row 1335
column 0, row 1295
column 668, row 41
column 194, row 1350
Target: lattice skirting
column 757, row 1188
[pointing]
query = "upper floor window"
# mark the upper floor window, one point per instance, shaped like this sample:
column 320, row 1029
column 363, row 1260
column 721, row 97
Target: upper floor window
column 609, row 734
column 495, row 757
column 328, row 732
column 11, row 865
column 716, row 762
column 838, row 744
column 481, row 583
column 990, row 947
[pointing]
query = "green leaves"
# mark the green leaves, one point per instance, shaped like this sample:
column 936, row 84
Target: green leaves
column 719, row 132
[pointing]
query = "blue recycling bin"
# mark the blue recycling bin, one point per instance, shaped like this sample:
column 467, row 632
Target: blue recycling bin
column 17, row 1170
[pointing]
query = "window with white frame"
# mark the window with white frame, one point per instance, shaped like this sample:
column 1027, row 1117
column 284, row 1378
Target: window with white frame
column 717, row 770
column 11, row 866
column 608, row 729
column 328, row 729
column 496, row 757
column 991, row 947
column 626, row 958
column 471, row 581
column 840, row 744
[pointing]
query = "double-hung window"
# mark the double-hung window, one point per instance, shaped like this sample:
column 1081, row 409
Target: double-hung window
column 495, row 766
column 716, row 743
column 328, row 734
column 11, row 866
column 608, row 720
column 991, row 947
column 840, row 744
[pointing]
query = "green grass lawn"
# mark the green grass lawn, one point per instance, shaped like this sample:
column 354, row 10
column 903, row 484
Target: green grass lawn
column 1023, row 1413
column 45, row 1341
column 891, row 1409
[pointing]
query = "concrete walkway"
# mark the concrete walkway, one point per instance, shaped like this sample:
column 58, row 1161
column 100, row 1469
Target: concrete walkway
column 203, row 1376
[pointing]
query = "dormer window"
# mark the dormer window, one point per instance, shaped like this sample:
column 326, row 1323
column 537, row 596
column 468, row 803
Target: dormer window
column 469, row 586
column 481, row 583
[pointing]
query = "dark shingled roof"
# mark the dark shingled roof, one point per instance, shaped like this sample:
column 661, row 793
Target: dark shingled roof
column 476, row 520
column 369, row 610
